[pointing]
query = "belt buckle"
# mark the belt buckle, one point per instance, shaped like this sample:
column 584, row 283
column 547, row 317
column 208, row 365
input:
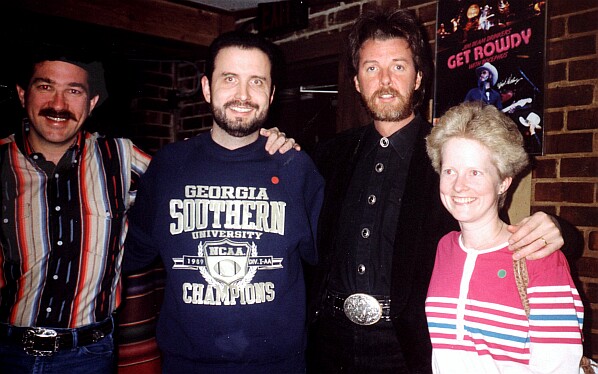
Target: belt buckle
column 39, row 341
column 96, row 336
column 362, row 309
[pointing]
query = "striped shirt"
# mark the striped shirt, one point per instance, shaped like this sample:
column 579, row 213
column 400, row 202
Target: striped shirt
column 63, row 229
column 477, row 322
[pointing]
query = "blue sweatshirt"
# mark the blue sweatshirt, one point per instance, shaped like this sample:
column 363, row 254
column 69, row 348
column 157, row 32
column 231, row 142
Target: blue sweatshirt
column 231, row 227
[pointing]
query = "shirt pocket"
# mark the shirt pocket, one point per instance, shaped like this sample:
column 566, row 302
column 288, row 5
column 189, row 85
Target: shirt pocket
column 101, row 224
column 12, row 226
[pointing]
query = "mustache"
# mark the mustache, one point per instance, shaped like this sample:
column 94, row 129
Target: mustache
column 63, row 114
column 386, row 91
column 241, row 103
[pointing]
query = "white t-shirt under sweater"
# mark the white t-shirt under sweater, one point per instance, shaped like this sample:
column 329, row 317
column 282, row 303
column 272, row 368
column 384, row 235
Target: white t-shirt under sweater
column 477, row 322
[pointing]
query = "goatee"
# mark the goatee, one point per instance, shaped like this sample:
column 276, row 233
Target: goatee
column 235, row 126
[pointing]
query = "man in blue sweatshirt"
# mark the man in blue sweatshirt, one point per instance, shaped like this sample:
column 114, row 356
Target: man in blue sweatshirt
column 232, row 225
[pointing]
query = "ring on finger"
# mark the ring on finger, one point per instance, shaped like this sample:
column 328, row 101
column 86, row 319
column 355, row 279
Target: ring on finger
column 544, row 240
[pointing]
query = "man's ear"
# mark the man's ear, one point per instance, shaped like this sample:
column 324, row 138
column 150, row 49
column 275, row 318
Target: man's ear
column 93, row 102
column 418, row 80
column 205, row 88
column 21, row 92
column 356, row 84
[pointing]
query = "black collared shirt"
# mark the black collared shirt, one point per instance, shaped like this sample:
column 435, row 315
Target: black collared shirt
column 369, row 217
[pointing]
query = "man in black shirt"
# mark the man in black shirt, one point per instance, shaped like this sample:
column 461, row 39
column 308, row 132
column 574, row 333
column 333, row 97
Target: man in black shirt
column 382, row 217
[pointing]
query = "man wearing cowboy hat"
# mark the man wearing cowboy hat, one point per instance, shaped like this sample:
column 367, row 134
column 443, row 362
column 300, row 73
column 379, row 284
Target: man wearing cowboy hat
column 532, row 124
column 487, row 78
column 65, row 192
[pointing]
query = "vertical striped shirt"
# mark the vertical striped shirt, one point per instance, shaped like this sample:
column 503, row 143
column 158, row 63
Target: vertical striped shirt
column 63, row 229
column 477, row 322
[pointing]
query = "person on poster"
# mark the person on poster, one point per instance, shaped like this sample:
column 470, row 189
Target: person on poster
column 532, row 126
column 504, row 12
column 487, row 77
column 485, row 20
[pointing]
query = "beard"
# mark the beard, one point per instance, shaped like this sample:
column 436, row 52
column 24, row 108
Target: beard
column 484, row 84
column 394, row 112
column 235, row 126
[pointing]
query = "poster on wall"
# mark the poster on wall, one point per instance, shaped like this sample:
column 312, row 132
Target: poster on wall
column 494, row 51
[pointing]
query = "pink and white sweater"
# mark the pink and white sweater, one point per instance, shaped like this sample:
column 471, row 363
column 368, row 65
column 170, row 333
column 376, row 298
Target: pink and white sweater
column 477, row 322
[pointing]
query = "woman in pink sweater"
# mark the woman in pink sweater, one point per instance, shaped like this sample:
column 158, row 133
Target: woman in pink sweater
column 476, row 318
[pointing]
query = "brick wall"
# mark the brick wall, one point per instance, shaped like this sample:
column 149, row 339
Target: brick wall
column 168, row 105
column 565, row 179
column 152, row 120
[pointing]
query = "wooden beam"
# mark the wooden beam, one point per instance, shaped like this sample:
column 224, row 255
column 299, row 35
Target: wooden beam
column 158, row 18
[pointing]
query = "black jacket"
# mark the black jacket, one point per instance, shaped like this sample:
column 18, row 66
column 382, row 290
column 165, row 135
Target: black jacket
column 422, row 222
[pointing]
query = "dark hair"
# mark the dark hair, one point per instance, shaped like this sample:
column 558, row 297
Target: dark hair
column 78, row 57
column 244, row 40
column 382, row 24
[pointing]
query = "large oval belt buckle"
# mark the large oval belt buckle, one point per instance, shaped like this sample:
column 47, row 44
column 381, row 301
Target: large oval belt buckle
column 362, row 309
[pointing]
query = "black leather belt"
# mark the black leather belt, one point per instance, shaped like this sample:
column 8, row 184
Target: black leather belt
column 42, row 341
column 336, row 303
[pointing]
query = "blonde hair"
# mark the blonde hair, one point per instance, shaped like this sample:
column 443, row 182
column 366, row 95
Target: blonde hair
column 486, row 125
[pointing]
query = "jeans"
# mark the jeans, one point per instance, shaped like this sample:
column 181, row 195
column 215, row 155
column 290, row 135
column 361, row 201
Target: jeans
column 96, row 358
column 337, row 345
